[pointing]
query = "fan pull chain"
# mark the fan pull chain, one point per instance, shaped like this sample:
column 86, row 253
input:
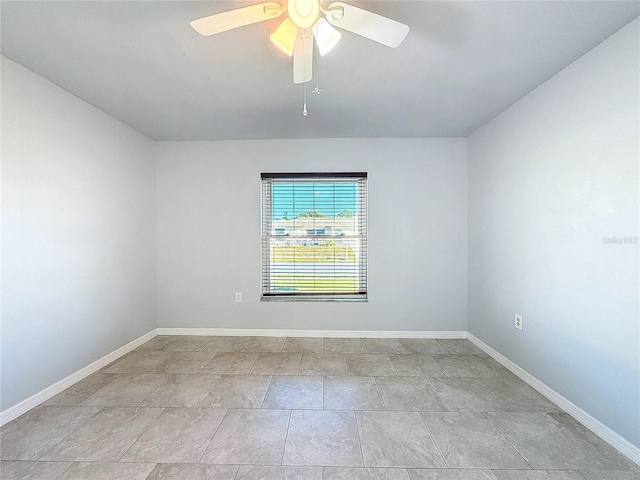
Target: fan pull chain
column 304, row 99
column 317, row 70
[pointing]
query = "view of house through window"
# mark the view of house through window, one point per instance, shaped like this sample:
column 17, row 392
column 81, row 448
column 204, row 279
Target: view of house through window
column 314, row 236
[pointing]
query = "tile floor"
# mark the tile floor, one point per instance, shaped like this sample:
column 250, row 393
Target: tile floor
column 249, row 408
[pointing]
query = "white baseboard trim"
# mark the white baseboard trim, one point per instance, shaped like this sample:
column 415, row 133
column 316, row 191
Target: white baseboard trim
column 612, row 438
column 269, row 332
column 34, row 400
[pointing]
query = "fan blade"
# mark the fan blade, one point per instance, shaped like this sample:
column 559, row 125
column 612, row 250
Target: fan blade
column 370, row 25
column 221, row 22
column 303, row 58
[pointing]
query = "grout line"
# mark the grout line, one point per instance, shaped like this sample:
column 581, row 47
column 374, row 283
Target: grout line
column 286, row 437
column 392, row 365
column 165, row 380
column 240, row 350
column 437, row 394
column 266, row 392
column 214, row 434
column 346, row 364
column 164, row 409
column 375, row 380
column 484, row 414
column 300, row 364
column 434, row 440
column 100, row 409
column 235, row 475
column 355, row 417
column 60, row 474
column 255, row 360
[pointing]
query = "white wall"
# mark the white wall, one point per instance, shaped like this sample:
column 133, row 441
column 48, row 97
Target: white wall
column 78, row 226
column 548, row 179
column 208, row 233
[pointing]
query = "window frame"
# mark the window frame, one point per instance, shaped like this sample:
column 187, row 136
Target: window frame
column 266, row 222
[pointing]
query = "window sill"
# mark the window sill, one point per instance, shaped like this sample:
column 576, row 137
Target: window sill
column 312, row 298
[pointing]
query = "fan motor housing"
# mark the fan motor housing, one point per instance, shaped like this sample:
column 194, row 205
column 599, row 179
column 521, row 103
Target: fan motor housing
column 304, row 13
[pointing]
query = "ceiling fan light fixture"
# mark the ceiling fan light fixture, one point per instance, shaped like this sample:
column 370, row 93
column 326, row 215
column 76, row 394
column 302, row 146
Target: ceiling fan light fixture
column 326, row 36
column 304, row 13
column 285, row 36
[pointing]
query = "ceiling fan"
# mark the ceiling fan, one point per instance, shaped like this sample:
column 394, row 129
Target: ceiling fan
column 306, row 20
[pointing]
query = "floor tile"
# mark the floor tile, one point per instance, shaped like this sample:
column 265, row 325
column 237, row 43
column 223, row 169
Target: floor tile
column 556, row 441
column 609, row 475
column 254, row 437
column 515, row 395
column 352, row 393
column 107, row 471
column 304, row 345
column 409, row 394
column 469, row 440
column 26, row 470
column 279, row 473
column 323, row 364
column 428, row 346
column 187, row 343
column 277, row 364
column 369, row 365
column 416, row 365
column 178, row 435
column 263, row 344
column 225, row 344
column 345, row 473
column 185, row 362
column 470, row 366
column 294, row 392
column 460, row 347
column 137, row 362
column 238, row 391
column 156, row 343
column 126, row 391
column 396, row 439
column 538, row 475
column 104, row 437
column 32, row 434
column 190, row 471
column 343, row 345
column 466, row 394
column 322, row 438
column 383, row 345
column 182, row 391
column 490, row 394
column 80, row 391
column 451, row 474
column 231, row 363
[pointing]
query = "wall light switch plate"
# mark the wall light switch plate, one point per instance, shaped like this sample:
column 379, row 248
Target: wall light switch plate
column 238, row 297
column 518, row 321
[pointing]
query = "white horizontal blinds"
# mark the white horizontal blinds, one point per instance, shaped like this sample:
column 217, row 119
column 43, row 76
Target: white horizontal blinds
column 314, row 235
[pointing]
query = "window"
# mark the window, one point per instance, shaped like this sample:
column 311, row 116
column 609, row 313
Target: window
column 314, row 236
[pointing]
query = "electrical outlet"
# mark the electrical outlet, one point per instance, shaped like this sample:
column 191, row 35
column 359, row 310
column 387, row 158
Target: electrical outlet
column 238, row 297
column 518, row 321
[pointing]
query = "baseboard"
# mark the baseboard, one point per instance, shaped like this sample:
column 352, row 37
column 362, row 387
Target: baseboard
column 624, row 446
column 268, row 332
column 34, row 400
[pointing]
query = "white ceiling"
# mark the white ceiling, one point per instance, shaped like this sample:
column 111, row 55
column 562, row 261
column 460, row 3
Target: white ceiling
column 461, row 64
